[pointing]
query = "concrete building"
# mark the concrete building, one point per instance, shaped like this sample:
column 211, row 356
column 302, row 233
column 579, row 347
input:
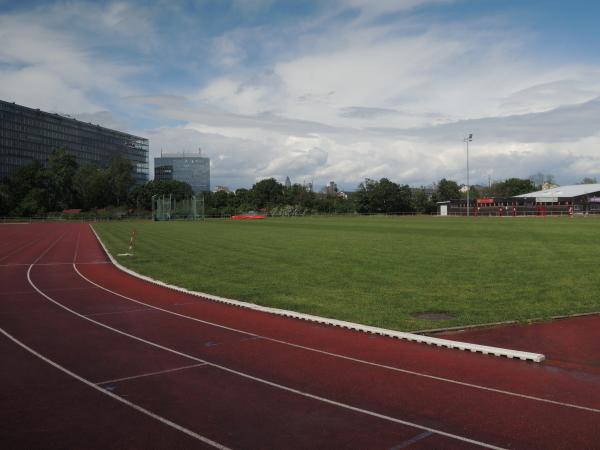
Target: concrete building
column 28, row 134
column 331, row 189
column 190, row 168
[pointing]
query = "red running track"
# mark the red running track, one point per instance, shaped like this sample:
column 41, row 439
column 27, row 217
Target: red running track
column 95, row 358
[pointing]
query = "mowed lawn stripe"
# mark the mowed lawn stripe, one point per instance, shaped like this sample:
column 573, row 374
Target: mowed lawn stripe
column 380, row 271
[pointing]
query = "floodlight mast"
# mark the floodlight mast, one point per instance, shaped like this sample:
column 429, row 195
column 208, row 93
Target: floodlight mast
column 468, row 139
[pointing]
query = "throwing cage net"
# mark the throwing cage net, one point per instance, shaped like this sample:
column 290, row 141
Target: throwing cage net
column 165, row 207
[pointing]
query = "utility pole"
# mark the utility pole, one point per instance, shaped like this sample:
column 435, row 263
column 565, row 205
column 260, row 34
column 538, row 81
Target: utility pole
column 468, row 139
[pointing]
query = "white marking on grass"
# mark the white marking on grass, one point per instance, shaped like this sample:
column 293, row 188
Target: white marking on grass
column 475, row 348
column 347, row 358
column 261, row 380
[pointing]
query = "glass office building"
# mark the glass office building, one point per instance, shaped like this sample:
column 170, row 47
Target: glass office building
column 192, row 169
column 28, row 134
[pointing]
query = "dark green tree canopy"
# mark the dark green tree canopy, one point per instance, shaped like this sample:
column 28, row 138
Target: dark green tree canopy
column 447, row 190
column 120, row 178
column 62, row 167
column 267, row 192
column 512, row 187
column 140, row 196
column 383, row 196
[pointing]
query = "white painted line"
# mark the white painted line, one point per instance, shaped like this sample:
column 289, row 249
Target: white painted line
column 150, row 374
column 475, row 348
column 46, row 251
column 124, row 311
column 114, row 396
column 347, row 358
column 411, row 441
column 56, row 264
column 261, row 380
column 76, row 247
column 19, row 248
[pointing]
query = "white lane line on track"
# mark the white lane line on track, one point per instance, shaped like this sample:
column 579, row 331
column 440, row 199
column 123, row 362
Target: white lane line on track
column 19, row 248
column 87, row 288
column 411, row 441
column 56, row 264
column 150, row 374
column 76, row 247
column 124, row 311
column 349, row 358
column 46, row 251
column 263, row 381
column 114, row 396
column 90, row 383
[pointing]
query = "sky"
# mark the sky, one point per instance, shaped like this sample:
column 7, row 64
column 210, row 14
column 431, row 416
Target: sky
column 330, row 90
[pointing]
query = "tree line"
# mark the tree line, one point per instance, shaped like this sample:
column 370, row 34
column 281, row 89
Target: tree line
column 35, row 190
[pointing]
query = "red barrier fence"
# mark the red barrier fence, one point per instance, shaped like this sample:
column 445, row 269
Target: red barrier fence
column 246, row 217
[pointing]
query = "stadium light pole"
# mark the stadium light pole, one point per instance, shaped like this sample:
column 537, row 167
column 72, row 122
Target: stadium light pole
column 468, row 139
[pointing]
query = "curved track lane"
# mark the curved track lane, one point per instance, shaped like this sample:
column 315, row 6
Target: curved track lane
column 239, row 378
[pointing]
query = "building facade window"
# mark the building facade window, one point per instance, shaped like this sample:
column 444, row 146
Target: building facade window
column 28, row 134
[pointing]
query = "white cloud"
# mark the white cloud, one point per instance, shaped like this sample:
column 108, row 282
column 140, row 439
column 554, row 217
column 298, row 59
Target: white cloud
column 362, row 89
column 44, row 67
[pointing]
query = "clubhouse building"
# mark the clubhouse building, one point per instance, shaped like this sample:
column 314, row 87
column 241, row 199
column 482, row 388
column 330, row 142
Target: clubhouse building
column 562, row 200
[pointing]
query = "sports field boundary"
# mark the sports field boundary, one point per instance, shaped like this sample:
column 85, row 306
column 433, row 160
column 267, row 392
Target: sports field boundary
column 447, row 343
column 532, row 321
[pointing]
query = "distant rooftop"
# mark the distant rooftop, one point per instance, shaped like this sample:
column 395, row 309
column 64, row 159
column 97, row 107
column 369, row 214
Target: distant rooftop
column 565, row 191
column 182, row 154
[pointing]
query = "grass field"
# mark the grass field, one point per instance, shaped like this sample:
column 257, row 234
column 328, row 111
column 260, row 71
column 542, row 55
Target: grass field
column 382, row 271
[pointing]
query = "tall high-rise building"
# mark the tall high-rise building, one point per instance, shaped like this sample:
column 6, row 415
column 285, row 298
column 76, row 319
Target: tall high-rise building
column 190, row 168
column 28, row 134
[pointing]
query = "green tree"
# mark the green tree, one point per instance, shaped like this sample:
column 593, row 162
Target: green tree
column 244, row 200
column 363, row 195
column 512, row 187
column 473, row 193
column 120, row 178
column 447, row 190
column 424, row 203
column 92, row 187
column 267, row 192
column 140, row 196
column 588, row 180
column 61, row 170
column 34, row 203
column 383, row 196
column 5, row 200
column 25, row 179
